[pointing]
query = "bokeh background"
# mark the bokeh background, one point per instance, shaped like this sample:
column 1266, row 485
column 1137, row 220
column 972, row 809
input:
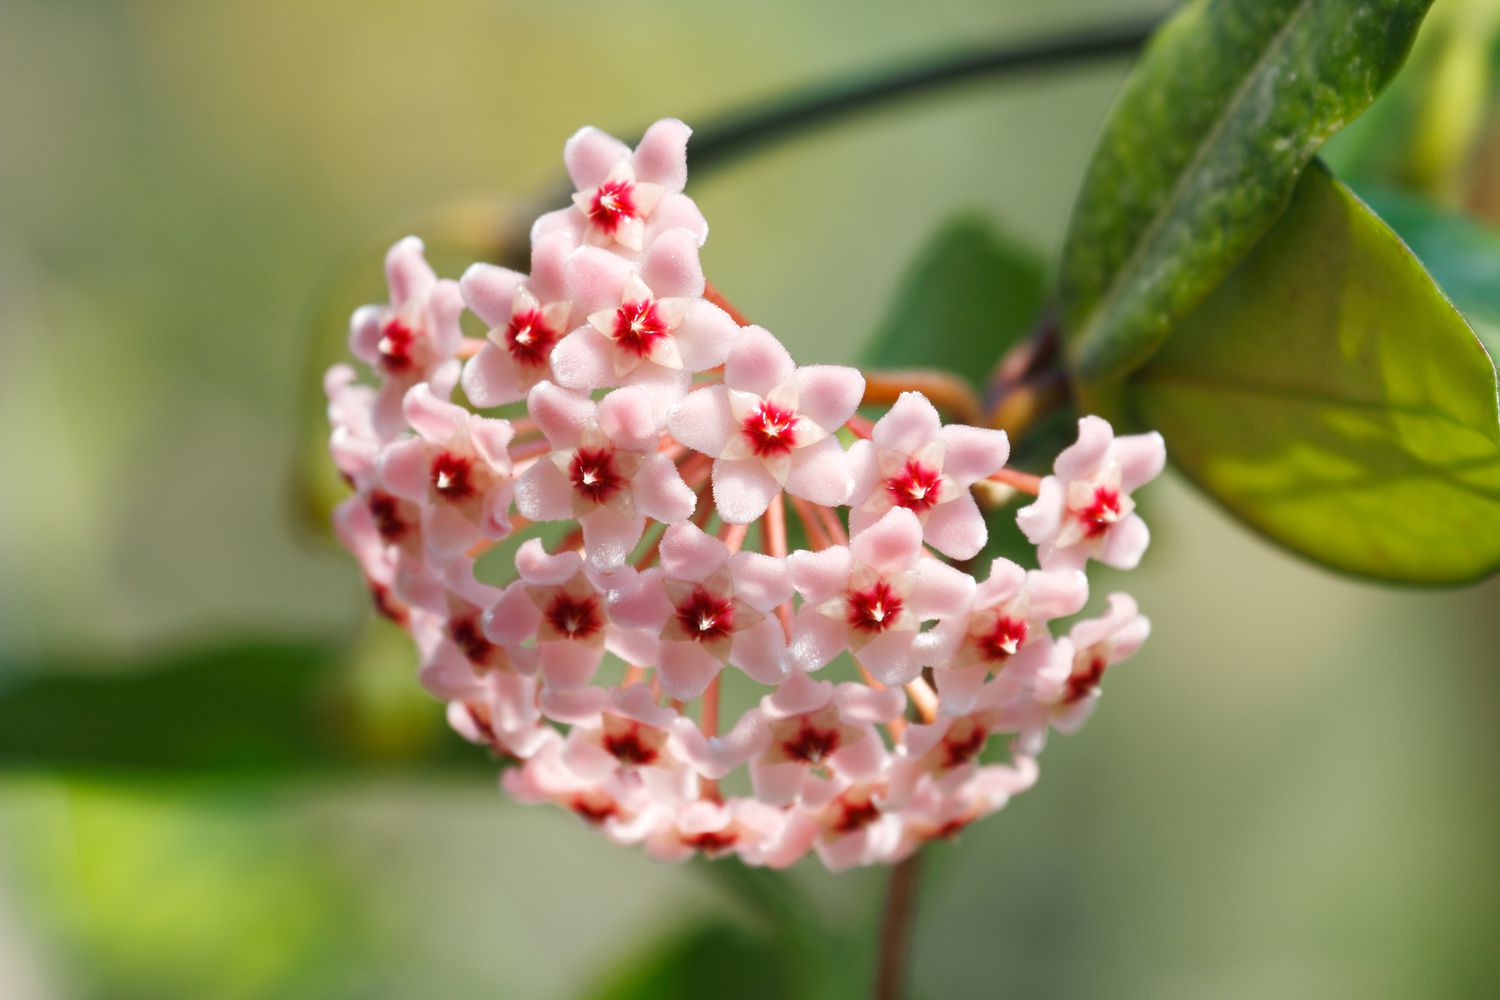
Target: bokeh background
column 1290, row 793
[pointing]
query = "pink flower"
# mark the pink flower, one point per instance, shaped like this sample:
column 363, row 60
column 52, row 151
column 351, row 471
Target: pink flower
column 938, row 813
column 871, row 596
column 709, row 608
column 411, row 340
column 625, row 199
column 912, row 461
column 457, row 468
column 771, row 426
column 619, row 805
column 644, row 326
column 559, row 606
column 456, row 652
column 604, row 470
column 1085, row 510
column 527, row 316
column 499, row 711
column 623, row 729
column 810, row 725
column 1071, row 687
column 744, row 827
column 352, row 443
column 1004, row 631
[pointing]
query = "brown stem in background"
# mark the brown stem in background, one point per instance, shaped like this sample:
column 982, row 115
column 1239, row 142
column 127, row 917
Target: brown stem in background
column 946, row 391
column 896, row 921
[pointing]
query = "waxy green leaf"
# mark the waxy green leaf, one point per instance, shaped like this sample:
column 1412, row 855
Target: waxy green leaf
column 1330, row 395
column 967, row 299
column 1200, row 155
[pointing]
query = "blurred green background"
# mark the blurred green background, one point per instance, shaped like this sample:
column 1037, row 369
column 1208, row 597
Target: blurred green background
column 1290, row 793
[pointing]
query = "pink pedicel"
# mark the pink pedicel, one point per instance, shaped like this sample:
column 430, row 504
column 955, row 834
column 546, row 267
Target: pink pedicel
column 722, row 531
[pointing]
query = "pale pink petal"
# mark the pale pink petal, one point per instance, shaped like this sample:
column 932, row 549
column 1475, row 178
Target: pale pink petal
column 911, row 422
column 690, row 553
column 445, row 304
column 889, row 658
column 590, row 155
column 407, row 272
column 596, row 279
column 816, row 639
column 640, row 601
column 891, row 543
column 859, row 703
column 536, row 565
column 560, row 413
column 1003, row 583
column 861, row 759
column 705, row 336
column 973, row 453
column 567, row 665
column 937, row 646
column 543, row 493
column 686, row 669
column 565, row 224
column 492, row 378
column 671, row 268
column 820, row 473
column 660, row 493
column 584, row 360
column 633, row 645
column 433, row 418
column 491, row 439
column 405, row 469
column 1141, row 458
column 1088, row 454
column 489, row 292
column 864, row 468
column 829, row 394
column 386, row 415
column 702, row 420
column 628, row 418
column 757, row 362
column 760, row 580
column 364, row 334
column 1125, row 543
column 956, row 529
column 817, row 576
column 1057, row 593
column 775, row 784
column 661, row 155
column 609, row 537
column 677, row 211
column 513, row 618
column 446, row 531
column 1122, row 610
column 760, row 651
column 941, row 590
column 958, row 687
column 798, row 695
column 1041, row 520
column 549, row 268
column 742, row 489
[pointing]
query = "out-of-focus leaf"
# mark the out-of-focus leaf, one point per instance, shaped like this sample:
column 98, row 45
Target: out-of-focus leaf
column 1420, row 135
column 1462, row 253
column 969, row 296
column 1329, row 395
column 1201, row 153
column 719, row 959
column 257, row 705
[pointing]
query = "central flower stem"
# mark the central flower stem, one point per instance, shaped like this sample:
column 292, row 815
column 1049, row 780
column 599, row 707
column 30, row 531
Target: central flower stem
column 897, row 920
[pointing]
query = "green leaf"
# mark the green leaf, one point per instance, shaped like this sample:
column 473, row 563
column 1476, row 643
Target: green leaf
column 969, row 296
column 1201, row 153
column 1462, row 253
column 1329, row 395
column 719, row 959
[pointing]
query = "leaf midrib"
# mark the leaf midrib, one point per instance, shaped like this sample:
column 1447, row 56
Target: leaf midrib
column 1117, row 283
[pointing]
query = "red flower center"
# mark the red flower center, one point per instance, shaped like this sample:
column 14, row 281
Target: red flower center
column 638, row 326
column 612, row 204
column 576, row 618
column 593, row 475
column 1103, row 512
column 854, row 815
column 874, row 609
column 386, row 512
column 1081, row 683
column 711, row 841
column 386, row 603
column 529, row 338
column 705, row 617
column 629, row 749
column 467, row 636
column 962, row 744
column 771, row 430
column 397, row 344
column 812, row 744
column 453, row 476
column 915, row 487
column 1002, row 641
column 594, row 807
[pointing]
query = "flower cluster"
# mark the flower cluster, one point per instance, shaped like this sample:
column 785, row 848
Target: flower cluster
column 683, row 521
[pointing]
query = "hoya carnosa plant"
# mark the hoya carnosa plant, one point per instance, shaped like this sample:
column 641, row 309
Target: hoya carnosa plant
column 703, row 521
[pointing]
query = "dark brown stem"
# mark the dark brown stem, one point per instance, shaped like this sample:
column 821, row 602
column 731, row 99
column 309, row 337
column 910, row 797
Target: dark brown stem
column 892, row 958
